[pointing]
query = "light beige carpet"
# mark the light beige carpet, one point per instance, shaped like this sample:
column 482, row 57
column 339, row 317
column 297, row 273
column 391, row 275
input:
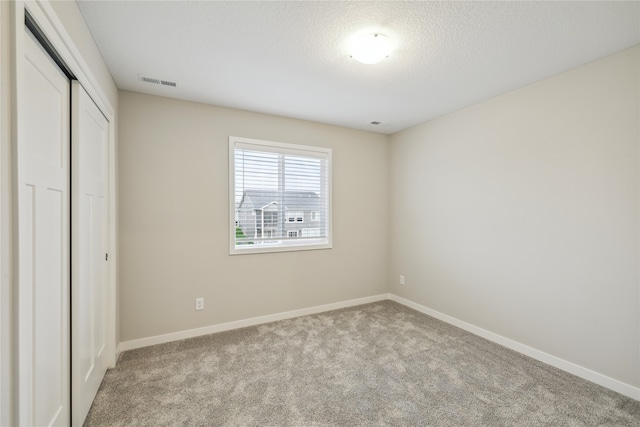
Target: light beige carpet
column 371, row 365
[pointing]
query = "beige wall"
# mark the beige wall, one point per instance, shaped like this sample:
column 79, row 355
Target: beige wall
column 174, row 225
column 520, row 215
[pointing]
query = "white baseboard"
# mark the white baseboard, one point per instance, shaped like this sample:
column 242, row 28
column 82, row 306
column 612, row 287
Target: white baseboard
column 582, row 372
column 221, row 327
column 572, row 368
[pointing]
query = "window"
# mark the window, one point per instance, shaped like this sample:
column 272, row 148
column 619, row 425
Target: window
column 270, row 219
column 275, row 187
column 295, row 217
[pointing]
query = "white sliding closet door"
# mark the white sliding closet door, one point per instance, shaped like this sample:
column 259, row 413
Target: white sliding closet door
column 89, row 296
column 43, row 221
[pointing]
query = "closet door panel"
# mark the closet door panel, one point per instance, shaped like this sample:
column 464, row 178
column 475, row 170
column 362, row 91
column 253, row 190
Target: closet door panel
column 89, row 301
column 43, row 225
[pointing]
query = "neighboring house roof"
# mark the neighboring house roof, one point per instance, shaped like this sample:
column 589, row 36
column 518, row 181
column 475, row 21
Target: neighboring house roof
column 293, row 200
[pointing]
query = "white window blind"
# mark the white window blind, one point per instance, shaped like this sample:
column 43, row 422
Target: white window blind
column 276, row 189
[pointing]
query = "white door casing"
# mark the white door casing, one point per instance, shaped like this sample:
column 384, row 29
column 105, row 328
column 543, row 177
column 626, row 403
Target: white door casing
column 89, row 237
column 43, row 239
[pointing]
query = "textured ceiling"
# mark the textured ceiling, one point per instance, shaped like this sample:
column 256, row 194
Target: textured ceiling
column 291, row 58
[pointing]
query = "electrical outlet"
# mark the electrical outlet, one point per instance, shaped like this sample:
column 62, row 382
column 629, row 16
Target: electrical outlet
column 401, row 279
column 199, row 303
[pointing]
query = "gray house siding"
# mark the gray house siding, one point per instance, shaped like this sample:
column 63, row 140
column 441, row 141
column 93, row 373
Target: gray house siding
column 270, row 215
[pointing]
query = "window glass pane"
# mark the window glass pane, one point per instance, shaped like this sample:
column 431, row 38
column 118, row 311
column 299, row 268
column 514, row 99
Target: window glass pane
column 277, row 187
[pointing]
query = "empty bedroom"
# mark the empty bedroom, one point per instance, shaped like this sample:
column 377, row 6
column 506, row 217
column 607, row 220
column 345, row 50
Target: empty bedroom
column 320, row 213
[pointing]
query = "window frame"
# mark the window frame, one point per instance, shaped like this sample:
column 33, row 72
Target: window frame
column 284, row 148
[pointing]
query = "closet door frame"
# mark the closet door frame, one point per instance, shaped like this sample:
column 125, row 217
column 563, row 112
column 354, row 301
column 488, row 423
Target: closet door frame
column 51, row 27
column 6, row 232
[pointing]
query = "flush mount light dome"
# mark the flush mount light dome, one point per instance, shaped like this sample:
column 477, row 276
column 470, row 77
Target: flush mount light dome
column 371, row 48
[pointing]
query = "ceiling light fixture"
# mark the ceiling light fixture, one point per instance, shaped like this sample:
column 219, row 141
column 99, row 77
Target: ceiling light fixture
column 371, row 48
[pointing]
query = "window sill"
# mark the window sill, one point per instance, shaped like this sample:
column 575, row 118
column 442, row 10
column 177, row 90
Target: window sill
column 262, row 249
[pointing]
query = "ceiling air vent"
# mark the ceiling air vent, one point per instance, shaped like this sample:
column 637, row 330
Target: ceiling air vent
column 157, row 81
